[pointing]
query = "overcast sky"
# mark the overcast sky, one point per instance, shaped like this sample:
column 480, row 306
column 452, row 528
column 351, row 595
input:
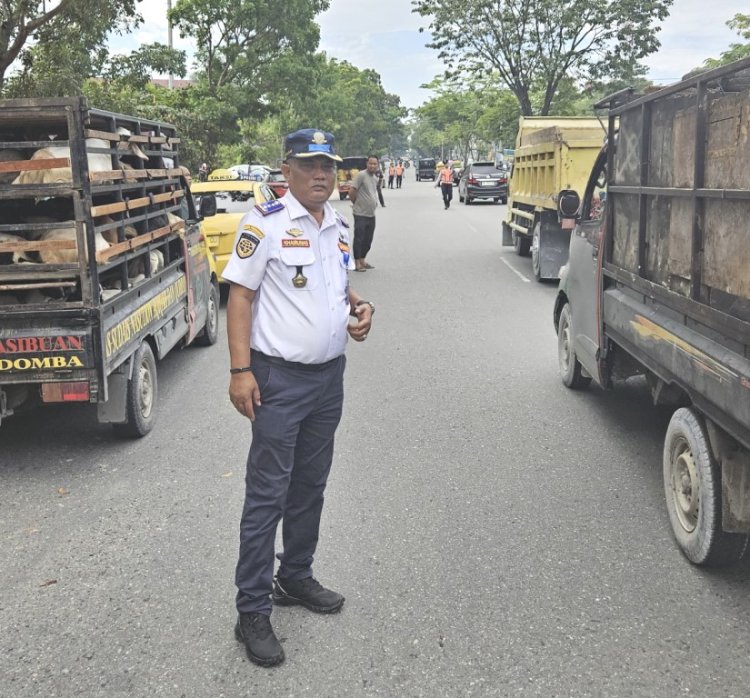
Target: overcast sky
column 384, row 35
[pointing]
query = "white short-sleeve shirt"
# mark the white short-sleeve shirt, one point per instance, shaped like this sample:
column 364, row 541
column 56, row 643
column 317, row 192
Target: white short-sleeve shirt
column 299, row 270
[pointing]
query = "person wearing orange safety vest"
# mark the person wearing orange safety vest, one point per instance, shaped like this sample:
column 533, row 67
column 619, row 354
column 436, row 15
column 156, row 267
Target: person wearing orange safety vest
column 399, row 174
column 445, row 182
column 391, row 175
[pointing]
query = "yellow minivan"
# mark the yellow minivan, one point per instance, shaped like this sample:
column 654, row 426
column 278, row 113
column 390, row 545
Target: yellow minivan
column 234, row 197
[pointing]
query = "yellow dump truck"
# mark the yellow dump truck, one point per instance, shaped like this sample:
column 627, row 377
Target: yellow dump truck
column 553, row 154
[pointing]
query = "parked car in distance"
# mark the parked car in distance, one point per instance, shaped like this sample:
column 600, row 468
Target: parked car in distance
column 277, row 183
column 425, row 169
column 253, row 173
column 234, row 197
column 482, row 180
column 348, row 169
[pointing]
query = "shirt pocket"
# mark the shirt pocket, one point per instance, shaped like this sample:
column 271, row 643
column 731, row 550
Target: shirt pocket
column 299, row 264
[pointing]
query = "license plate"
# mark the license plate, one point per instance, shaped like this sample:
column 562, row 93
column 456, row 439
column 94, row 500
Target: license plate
column 488, row 183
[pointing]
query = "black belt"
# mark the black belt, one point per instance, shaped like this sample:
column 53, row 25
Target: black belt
column 277, row 361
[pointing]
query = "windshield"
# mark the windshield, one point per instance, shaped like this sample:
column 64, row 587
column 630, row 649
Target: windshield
column 485, row 169
column 230, row 201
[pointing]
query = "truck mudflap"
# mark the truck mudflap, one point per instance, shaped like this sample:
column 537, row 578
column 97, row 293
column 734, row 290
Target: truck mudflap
column 549, row 248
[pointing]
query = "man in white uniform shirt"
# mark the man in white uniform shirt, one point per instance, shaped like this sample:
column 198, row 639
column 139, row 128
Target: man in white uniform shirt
column 287, row 322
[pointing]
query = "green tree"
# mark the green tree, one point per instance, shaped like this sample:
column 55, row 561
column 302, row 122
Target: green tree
column 64, row 35
column 741, row 24
column 533, row 45
column 238, row 40
column 349, row 102
column 245, row 48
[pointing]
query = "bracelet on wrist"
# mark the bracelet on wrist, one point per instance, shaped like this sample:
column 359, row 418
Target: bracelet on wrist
column 244, row 369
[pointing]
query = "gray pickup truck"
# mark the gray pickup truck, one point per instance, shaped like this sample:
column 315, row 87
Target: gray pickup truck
column 658, row 284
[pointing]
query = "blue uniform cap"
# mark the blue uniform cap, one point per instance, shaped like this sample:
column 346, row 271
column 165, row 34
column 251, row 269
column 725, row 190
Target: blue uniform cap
column 309, row 142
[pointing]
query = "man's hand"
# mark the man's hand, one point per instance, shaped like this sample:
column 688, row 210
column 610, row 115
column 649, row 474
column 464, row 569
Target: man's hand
column 244, row 394
column 359, row 332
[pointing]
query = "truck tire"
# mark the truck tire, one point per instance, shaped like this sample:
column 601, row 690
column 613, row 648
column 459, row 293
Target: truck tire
column 570, row 367
column 692, row 486
column 521, row 244
column 536, row 262
column 210, row 332
column 140, row 401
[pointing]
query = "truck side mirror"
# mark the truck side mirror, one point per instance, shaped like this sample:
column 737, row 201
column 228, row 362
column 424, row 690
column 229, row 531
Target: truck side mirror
column 208, row 205
column 568, row 203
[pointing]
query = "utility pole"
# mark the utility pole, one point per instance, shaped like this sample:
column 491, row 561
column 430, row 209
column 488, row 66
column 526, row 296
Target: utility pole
column 169, row 40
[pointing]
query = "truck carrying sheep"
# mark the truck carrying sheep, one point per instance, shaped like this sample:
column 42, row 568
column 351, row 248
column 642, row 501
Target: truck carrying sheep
column 553, row 154
column 103, row 268
column 658, row 285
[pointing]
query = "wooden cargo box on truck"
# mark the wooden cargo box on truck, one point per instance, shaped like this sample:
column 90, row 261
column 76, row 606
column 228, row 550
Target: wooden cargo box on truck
column 552, row 155
column 103, row 267
column 665, row 219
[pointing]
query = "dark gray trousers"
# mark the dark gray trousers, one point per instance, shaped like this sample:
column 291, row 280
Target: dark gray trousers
column 287, row 470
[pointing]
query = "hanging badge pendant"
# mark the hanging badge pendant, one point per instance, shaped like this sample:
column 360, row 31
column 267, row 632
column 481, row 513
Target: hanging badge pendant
column 299, row 280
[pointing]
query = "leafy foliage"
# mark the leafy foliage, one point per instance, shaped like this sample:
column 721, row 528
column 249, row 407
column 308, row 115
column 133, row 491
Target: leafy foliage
column 741, row 24
column 466, row 123
column 58, row 43
column 531, row 46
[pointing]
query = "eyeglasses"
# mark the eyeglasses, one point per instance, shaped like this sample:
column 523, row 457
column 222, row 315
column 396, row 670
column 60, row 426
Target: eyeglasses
column 327, row 166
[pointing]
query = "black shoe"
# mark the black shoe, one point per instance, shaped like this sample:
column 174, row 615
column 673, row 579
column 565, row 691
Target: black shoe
column 255, row 632
column 308, row 593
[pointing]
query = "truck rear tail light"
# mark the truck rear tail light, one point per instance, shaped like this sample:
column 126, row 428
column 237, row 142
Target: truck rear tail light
column 66, row 392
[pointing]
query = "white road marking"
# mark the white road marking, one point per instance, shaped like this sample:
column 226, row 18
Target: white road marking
column 515, row 271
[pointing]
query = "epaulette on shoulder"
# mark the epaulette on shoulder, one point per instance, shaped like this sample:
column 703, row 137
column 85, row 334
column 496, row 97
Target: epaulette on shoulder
column 269, row 207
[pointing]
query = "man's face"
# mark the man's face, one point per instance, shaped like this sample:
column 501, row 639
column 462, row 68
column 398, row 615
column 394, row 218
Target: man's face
column 311, row 180
column 373, row 165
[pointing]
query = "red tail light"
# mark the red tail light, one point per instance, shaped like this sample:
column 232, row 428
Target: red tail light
column 472, row 180
column 65, row 392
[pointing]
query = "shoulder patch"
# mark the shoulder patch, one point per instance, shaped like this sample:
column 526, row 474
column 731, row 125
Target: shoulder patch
column 269, row 207
column 246, row 245
column 255, row 231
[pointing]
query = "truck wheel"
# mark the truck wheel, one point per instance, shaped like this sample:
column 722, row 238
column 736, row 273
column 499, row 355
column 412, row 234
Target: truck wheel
column 522, row 244
column 570, row 367
column 141, row 397
column 467, row 199
column 210, row 332
column 536, row 262
column 692, row 485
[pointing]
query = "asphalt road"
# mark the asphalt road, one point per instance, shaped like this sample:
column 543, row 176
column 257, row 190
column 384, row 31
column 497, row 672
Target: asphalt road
column 494, row 533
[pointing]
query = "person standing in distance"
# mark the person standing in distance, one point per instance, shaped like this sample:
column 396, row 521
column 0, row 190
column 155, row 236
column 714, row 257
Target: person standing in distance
column 399, row 174
column 287, row 324
column 445, row 182
column 364, row 197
